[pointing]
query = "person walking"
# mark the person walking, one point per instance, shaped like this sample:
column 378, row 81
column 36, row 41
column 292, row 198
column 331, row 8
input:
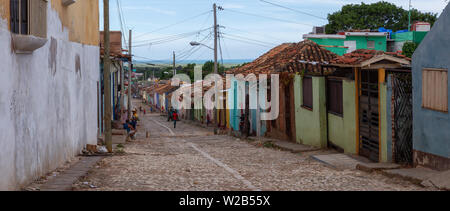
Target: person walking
column 175, row 119
column 170, row 114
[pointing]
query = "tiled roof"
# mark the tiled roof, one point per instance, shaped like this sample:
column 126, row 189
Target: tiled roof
column 362, row 55
column 291, row 57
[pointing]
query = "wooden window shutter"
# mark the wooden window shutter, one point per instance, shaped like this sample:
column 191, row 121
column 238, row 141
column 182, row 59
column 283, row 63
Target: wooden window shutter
column 14, row 10
column 38, row 18
column 435, row 89
column 335, row 97
column 23, row 11
column 307, row 92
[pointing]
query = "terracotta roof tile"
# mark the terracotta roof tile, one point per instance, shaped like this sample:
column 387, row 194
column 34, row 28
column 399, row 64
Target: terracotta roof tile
column 290, row 57
column 362, row 55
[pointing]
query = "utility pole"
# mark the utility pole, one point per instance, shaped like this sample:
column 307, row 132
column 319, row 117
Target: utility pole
column 216, row 70
column 122, row 88
column 174, row 68
column 107, row 77
column 215, row 39
column 130, row 71
column 409, row 16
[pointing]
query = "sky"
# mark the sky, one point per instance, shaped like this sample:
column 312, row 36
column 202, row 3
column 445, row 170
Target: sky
column 249, row 28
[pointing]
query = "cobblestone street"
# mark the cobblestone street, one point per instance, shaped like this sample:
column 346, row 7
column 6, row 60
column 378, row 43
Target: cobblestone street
column 191, row 158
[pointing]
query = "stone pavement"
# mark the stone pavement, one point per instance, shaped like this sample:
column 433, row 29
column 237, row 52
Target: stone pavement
column 191, row 158
column 66, row 179
column 415, row 175
column 293, row 147
column 441, row 181
column 337, row 161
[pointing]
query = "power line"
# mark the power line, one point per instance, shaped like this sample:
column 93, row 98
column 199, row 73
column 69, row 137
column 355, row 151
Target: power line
column 288, row 8
column 248, row 42
column 267, row 17
column 174, row 24
column 122, row 22
column 240, row 37
column 171, row 38
column 249, row 32
column 197, row 48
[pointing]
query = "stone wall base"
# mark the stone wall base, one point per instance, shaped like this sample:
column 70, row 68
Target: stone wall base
column 431, row 161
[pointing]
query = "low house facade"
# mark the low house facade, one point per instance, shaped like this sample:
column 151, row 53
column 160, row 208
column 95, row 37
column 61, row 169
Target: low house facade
column 347, row 42
column 375, row 92
column 48, row 83
column 430, row 80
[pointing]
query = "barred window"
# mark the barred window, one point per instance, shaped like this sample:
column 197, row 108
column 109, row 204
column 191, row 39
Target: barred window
column 29, row 17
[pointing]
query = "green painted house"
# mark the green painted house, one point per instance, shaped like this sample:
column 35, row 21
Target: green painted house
column 399, row 39
column 347, row 42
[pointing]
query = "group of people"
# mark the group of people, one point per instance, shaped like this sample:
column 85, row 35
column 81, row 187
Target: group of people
column 172, row 116
column 131, row 125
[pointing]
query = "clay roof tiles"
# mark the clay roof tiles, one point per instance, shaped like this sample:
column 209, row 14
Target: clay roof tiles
column 362, row 55
column 291, row 57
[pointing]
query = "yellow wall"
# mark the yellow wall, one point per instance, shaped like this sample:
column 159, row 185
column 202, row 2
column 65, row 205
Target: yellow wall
column 4, row 10
column 80, row 18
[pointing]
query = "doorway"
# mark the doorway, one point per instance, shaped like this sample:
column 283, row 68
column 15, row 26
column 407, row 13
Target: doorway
column 369, row 115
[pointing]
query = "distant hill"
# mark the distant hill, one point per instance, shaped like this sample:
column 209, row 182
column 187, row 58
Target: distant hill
column 225, row 61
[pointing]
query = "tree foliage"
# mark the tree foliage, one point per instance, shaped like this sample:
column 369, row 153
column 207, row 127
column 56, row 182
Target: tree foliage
column 409, row 48
column 373, row 16
column 208, row 68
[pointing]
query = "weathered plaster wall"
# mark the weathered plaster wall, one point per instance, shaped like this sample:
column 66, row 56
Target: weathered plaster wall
column 342, row 129
column 82, row 20
column 48, row 106
column 431, row 128
column 311, row 125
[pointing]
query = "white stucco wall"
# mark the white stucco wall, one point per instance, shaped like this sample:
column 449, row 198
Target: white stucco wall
column 46, row 116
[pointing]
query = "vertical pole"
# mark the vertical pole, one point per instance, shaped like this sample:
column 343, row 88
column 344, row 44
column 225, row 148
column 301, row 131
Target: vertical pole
column 122, row 89
column 216, row 71
column 130, row 71
column 174, row 68
column 107, row 77
column 409, row 16
column 215, row 39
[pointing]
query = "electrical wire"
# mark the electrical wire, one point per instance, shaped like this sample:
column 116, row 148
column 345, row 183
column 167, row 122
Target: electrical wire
column 288, row 8
column 267, row 17
column 122, row 22
column 174, row 24
column 249, row 32
column 249, row 39
column 171, row 38
column 245, row 41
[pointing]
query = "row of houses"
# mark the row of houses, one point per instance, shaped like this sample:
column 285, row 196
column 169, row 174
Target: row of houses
column 377, row 104
column 381, row 39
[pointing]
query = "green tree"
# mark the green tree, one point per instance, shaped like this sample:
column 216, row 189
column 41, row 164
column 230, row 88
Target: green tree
column 409, row 48
column 208, row 68
column 374, row 16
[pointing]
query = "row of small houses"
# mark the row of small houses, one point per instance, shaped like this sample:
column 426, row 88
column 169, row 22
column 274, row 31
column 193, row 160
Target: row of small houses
column 366, row 103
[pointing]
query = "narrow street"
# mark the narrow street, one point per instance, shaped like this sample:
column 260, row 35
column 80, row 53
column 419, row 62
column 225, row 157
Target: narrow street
column 191, row 158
